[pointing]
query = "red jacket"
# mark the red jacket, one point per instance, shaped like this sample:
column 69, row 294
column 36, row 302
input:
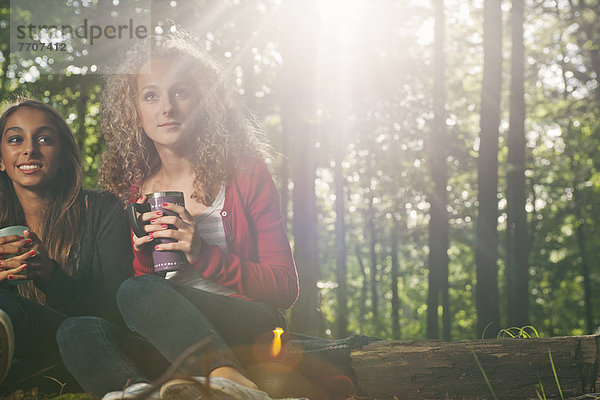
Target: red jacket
column 259, row 263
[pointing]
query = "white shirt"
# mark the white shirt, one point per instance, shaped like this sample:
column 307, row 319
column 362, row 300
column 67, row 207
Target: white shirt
column 209, row 226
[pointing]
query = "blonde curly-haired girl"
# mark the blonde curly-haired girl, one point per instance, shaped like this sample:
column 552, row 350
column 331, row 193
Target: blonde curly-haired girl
column 171, row 125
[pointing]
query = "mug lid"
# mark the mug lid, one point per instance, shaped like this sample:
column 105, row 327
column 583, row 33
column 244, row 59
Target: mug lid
column 164, row 194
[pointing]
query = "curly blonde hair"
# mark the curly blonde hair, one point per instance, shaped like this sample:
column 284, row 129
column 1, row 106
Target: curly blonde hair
column 223, row 132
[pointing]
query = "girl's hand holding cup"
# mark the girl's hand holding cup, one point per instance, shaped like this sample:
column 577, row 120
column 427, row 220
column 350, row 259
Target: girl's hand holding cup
column 140, row 242
column 12, row 241
column 26, row 258
column 164, row 221
column 13, row 244
column 184, row 232
column 39, row 265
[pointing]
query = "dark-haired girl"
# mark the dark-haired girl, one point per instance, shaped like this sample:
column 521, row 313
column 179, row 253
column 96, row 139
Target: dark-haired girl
column 74, row 254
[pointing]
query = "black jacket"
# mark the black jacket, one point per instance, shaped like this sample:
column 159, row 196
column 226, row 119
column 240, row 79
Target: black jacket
column 104, row 260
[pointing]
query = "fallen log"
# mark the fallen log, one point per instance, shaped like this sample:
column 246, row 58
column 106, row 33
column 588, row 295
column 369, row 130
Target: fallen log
column 450, row 370
column 388, row 370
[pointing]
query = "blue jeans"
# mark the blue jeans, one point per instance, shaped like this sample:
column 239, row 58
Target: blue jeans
column 166, row 319
column 35, row 329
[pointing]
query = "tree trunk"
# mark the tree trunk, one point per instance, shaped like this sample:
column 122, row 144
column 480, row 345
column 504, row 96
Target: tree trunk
column 442, row 370
column 373, row 261
column 341, row 271
column 362, row 306
column 388, row 370
column 579, row 209
column 517, row 246
column 438, row 223
column 298, row 102
column 337, row 144
column 395, row 273
column 486, row 247
column 585, row 273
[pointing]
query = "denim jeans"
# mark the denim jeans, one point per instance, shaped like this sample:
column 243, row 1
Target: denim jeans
column 166, row 319
column 35, row 329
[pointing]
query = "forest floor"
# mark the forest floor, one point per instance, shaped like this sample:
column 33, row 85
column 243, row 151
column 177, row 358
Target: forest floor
column 34, row 394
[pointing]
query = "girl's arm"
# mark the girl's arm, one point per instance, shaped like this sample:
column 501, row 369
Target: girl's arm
column 271, row 277
column 269, row 273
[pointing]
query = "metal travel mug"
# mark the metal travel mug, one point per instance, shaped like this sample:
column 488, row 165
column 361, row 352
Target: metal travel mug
column 165, row 260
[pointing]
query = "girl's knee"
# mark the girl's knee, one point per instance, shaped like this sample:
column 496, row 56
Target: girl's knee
column 132, row 292
column 129, row 288
column 74, row 327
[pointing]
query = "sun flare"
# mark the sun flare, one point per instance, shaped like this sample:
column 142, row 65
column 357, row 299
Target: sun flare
column 340, row 18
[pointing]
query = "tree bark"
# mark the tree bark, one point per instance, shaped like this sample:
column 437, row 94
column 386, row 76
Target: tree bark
column 340, row 250
column 394, row 277
column 337, row 144
column 438, row 222
column 373, row 261
column 585, row 270
column 298, row 104
column 362, row 306
column 443, row 370
column 517, row 246
column 580, row 206
column 431, row 369
column 579, row 210
column 486, row 247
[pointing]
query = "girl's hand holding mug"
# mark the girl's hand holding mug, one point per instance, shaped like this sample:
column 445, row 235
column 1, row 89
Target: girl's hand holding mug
column 140, row 242
column 187, row 239
column 156, row 224
column 12, row 246
column 28, row 260
column 163, row 216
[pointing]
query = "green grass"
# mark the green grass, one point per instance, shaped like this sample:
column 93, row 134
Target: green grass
column 34, row 394
column 526, row 332
column 487, row 381
column 555, row 375
column 539, row 389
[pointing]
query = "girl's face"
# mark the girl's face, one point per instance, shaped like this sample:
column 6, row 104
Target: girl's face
column 166, row 98
column 30, row 149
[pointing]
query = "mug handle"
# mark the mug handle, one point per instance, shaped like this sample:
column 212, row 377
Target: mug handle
column 134, row 221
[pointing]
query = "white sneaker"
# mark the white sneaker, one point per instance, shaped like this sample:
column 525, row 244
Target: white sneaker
column 234, row 391
column 7, row 344
column 219, row 389
column 193, row 388
column 134, row 391
column 196, row 388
